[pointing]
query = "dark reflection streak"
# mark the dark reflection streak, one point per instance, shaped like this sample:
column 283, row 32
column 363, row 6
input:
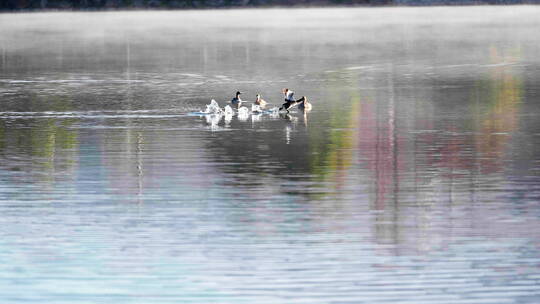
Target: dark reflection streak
column 415, row 157
column 476, row 168
column 387, row 168
column 140, row 167
column 60, row 54
column 476, row 165
column 246, row 46
column 205, row 58
column 379, row 204
column 471, row 202
column 392, row 126
column 128, row 75
column 140, row 139
column 3, row 57
column 128, row 60
column 450, row 204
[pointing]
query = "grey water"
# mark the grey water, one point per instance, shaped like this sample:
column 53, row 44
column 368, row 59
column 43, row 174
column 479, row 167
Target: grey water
column 415, row 178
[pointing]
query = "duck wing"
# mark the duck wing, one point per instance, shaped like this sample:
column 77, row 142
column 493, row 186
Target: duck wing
column 289, row 104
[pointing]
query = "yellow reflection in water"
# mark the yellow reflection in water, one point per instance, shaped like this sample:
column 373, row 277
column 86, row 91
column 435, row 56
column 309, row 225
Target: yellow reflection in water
column 502, row 93
column 331, row 154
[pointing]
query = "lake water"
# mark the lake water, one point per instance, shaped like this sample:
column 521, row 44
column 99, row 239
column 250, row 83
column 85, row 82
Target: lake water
column 414, row 179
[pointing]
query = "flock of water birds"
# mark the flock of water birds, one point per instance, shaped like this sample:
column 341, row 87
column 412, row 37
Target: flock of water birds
column 214, row 112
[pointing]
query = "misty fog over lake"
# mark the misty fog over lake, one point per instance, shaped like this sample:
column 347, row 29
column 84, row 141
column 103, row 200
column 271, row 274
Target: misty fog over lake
column 415, row 178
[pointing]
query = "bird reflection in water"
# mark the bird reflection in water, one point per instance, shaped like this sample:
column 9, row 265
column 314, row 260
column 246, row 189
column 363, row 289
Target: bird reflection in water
column 288, row 117
column 305, row 111
column 304, row 106
column 291, row 124
column 293, row 121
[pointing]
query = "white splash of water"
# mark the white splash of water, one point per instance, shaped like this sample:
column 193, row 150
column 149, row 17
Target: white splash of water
column 256, row 108
column 256, row 117
column 228, row 114
column 213, row 108
column 274, row 112
column 243, row 113
column 288, row 134
column 213, row 120
column 228, row 110
column 228, row 119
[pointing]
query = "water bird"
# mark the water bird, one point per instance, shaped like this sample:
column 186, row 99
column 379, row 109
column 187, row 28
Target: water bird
column 260, row 102
column 291, row 103
column 288, row 95
column 287, row 105
column 303, row 104
column 236, row 101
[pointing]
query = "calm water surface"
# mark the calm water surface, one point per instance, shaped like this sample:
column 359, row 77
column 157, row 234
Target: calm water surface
column 414, row 179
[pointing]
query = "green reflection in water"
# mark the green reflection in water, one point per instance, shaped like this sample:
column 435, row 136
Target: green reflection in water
column 331, row 150
column 45, row 142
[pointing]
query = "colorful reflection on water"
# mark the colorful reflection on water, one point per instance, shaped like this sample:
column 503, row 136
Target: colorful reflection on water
column 414, row 179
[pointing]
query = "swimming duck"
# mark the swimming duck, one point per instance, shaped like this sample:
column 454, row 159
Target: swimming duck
column 236, row 101
column 260, row 102
column 303, row 104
